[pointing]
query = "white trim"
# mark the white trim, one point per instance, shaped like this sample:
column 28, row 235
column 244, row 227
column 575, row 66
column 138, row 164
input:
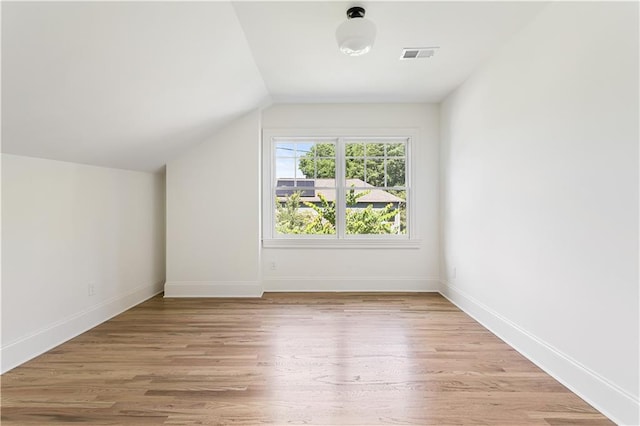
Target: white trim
column 351, row 284
column 271, row 135
column 321, row 243
column 612, row 401
column 605, row 396
column 213, row 289
column 30, row 346
column 340, row 182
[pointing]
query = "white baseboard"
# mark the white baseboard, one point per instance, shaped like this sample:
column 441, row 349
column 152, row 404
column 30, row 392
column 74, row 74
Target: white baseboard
column 351, row 284
column 212, row 289
column 612, row 401
column 28, row 347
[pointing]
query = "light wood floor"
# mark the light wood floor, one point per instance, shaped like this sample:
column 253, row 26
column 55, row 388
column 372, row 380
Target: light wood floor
column 322, row 359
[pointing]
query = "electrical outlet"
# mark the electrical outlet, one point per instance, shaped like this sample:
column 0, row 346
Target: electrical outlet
column 454, row 273
column 273, row 266
column 91, row 289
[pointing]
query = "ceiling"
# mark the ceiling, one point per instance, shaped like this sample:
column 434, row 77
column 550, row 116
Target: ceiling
column 132, row 84
column 294, row 46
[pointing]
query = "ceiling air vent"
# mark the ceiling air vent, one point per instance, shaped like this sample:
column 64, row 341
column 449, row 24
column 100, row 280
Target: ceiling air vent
column 418, row 52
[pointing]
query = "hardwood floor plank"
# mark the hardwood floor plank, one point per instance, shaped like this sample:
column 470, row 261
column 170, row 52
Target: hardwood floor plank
column 292, row 358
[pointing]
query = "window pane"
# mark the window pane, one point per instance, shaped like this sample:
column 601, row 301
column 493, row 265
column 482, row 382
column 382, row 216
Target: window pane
column 303, row 149
column 300, row 174
column 396, row 172
column 298, row 215
column 402, row 210
column 325, row 163
column 374, row 150
column 374, row 172
column 325, row 150
column 285, row 167
column 357, row 197
column 304, row 186
column 285, row 149
column 355, row 170
column 395, row 150
column 316, row 160
column 370, row 221
column 306, row 167
column 354, row 149
column 286, row 187
column 375, row 212
column 326, row 168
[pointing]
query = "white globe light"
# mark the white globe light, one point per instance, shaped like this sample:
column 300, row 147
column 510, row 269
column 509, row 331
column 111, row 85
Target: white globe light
column 355, row 36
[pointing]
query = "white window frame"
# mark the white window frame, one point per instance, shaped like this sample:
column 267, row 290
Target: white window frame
column 270, row 239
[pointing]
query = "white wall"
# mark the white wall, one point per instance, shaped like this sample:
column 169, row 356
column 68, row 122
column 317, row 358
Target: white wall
column 540, row 198
column 67, row 225
column 309, row 269
column 213, row 214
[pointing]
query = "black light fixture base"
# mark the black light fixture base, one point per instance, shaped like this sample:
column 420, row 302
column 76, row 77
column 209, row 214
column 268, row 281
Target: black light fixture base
column 355, row 12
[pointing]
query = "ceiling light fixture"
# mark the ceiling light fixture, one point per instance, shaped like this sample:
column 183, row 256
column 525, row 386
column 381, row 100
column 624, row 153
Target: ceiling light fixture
column 355, row 36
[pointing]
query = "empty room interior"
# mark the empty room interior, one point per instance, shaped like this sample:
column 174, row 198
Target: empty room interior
column 324, row 213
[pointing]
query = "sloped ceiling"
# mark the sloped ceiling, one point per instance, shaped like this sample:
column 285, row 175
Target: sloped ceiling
column 127, row 84
column 132, row 84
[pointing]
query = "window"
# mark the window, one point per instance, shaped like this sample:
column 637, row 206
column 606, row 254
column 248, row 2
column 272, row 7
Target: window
column 338, row 190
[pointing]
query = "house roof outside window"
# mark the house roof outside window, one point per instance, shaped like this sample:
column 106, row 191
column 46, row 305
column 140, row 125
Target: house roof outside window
column 310, row 188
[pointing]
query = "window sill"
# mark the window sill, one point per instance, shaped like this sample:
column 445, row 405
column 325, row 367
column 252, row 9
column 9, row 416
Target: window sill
column 300, row 243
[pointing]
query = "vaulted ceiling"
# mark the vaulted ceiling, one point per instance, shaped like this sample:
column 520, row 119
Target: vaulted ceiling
column 132, row 84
